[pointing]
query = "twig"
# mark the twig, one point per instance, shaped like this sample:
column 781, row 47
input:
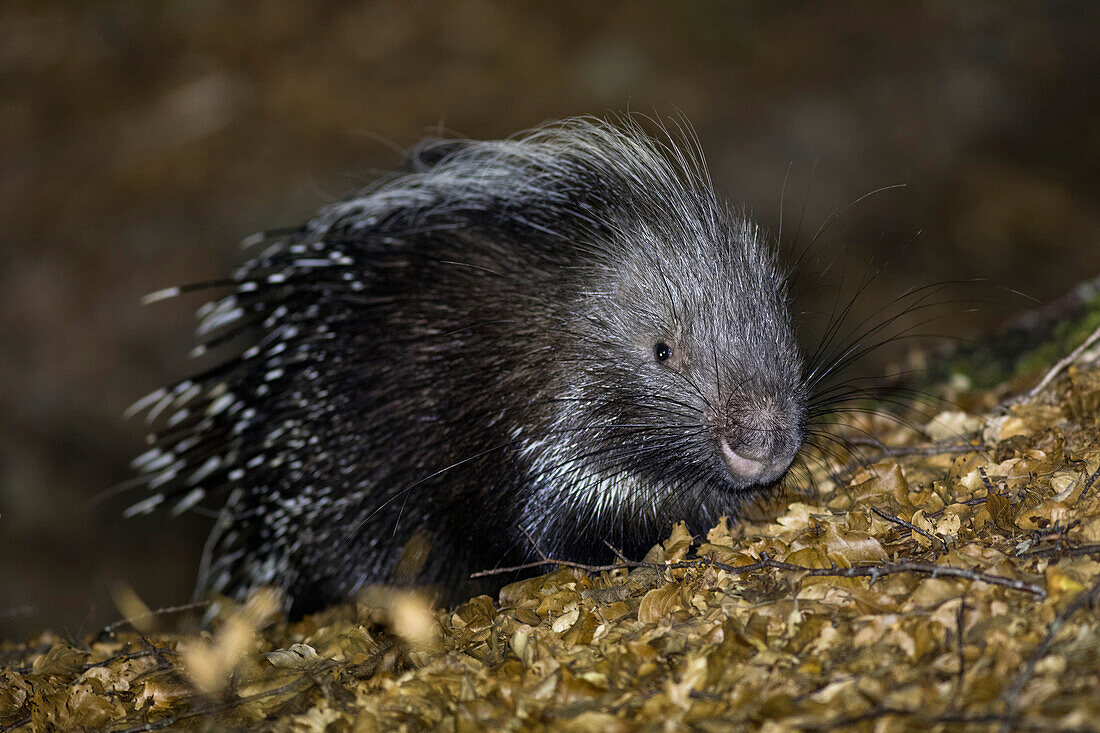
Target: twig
column 1061, row 550
column 927, row 720
column 1057, row 368
column 28, row 668
column 985, row 480
column 912, row 527
column 110, row 628
column 311, row 677
column 230, row 704
column 618, row 553
column 162, row 661
column 559, row 563
column 1089, row 483
column 533, row 543
column 940, row 513
column 900, row 452
column 874, row 572
column 16, row 725
column 1011, row 694
column 960, row 627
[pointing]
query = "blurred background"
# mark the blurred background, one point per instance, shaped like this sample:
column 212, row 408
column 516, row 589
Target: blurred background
column 140, row 141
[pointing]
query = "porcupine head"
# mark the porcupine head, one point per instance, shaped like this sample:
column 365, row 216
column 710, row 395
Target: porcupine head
column 537, row 345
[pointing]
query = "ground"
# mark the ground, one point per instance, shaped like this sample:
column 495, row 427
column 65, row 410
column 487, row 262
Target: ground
column 948, row 578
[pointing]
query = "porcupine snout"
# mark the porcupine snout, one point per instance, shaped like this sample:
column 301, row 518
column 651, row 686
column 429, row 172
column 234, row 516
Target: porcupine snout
column 759, row 437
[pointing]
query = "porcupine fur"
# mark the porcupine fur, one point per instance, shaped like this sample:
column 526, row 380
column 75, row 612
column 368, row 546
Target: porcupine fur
column 554, row 340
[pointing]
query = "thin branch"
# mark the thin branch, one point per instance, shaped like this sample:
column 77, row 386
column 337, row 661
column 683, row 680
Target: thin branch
column 16, row 725
column 311, row 677
column 874, row 572
column 110, row 628
column 1090, row 482
column 898, row 452
column 534, row 544
column 230, row 704
column 960, row 628
column 617, row 551
column 1011, row 694
column 923, row 719
column 910, row 526
column 1061, row 550
column 125, row 656
column 558, row 563
column 1057, row 368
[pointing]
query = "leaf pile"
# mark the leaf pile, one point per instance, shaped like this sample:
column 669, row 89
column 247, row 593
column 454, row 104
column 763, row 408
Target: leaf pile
column 952, row 587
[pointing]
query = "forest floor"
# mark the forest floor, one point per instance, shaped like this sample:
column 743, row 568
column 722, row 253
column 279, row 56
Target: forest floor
column 947, row 577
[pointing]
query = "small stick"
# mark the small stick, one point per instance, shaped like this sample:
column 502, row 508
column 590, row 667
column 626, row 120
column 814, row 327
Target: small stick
column 1057, row 368
column 960, row 625
column 110, row 628
column 618, row 554
column 533, row 543
column 234, row 703
column 1011, row 694
column 874, row 572
column 559, row 563
column 1061, row 550
column 899, row 452
column 912, row 527
column 1090, row 482
column 985, row 480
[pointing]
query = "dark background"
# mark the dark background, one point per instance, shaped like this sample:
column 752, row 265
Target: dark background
column 139, row 141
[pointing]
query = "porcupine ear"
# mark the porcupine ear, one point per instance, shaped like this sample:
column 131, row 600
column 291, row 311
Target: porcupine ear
column 427, row 154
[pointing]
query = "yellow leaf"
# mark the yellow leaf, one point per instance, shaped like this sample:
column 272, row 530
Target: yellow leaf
column 659, row 602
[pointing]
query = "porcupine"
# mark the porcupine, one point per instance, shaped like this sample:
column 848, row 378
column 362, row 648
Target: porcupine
column 548, row 343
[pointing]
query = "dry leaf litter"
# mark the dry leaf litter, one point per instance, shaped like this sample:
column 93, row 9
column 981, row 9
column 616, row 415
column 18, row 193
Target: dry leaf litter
column 949, row 586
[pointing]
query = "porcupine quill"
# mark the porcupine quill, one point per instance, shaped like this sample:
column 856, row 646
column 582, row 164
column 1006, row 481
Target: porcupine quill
column 563, row 338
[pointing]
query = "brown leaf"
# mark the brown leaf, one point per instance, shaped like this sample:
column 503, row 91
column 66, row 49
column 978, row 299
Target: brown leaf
column 848, row 549
column 659, row 602
column 14, row 692
column 679, row 542
column 61, row 660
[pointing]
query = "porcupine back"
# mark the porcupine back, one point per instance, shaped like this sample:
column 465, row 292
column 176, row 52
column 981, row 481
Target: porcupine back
column 562, row 338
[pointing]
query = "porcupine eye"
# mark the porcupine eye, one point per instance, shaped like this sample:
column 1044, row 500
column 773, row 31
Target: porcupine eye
column 662, row 352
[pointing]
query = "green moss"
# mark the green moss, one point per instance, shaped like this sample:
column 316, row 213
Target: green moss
column 1019, row 352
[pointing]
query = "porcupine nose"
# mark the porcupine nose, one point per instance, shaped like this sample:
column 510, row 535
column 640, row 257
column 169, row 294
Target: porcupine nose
column 750, row 467
column 757, row 446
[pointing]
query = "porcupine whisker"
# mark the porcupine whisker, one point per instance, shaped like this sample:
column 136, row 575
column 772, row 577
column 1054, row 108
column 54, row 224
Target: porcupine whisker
column 835, row 216
column 852, row 382
column 826, row 451
column 624, row 452
column 849, row 394
column 801, row 467
column 853, row 401
column 849, row 359
column 852, row 343
column 828, row 222
column 836, row 320
column 736, row 392
column 793, row 273
column 831, row 440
